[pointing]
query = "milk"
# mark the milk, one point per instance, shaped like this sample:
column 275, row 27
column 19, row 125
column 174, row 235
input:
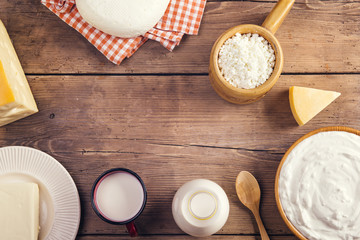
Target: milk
column 119, row 196
column 200, row 207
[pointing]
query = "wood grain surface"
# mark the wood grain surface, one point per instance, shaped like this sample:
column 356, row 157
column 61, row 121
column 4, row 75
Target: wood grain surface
column 157, row 114
column 178, row 237
column 317, row 36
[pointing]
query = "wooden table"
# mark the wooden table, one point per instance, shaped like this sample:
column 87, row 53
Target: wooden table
column 157, row 114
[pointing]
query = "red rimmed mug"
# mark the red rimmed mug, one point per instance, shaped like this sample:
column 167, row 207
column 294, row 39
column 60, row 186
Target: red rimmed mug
column 118, row 197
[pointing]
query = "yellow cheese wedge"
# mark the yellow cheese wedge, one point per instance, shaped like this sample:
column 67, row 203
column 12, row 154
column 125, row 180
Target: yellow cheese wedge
column 19, row 211
column 16, row 99
column 306, row 103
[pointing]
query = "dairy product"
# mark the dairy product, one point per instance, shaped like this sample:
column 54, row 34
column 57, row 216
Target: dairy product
column 319, row 186
column 16, row 100
column 200, row 207
column 119, row 196
column 306, row 103
column 246, row 60
column 122, row 18
column 19, row 211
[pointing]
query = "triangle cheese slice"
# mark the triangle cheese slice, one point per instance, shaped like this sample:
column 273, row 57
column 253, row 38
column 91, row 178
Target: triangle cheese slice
column 306, row 103
column 16, row 99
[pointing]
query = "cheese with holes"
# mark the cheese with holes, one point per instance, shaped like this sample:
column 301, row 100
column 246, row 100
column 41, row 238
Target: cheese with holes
column 19, row 211
column 306, row 103
column 16, row 99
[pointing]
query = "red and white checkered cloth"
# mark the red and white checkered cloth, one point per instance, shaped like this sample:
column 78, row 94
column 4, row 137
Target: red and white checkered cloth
column 181, row 17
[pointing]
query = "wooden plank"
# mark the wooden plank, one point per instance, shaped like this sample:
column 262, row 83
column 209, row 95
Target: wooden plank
column 317, row 36
column 172, row 129
column 177, row 237
column 164, row 172
column 186, row 107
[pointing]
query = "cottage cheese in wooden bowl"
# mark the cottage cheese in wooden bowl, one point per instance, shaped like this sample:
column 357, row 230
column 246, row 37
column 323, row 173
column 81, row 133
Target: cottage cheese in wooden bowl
column 317, row 186
column 245, row 63
column 246, row 60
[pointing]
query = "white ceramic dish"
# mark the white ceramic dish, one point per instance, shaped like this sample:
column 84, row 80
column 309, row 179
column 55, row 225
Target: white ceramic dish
column 59, row 198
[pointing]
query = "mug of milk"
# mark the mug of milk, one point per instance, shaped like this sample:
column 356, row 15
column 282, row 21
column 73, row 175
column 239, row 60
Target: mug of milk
column 119, row 196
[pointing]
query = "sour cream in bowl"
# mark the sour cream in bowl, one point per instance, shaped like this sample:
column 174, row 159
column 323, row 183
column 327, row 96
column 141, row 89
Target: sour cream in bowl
column 317, row 186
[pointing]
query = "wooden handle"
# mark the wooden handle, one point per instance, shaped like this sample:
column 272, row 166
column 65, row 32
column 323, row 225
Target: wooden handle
column 277, row 15
column 263, row 233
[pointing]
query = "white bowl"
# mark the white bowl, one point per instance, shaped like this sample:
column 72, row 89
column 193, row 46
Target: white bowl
column 278, row 190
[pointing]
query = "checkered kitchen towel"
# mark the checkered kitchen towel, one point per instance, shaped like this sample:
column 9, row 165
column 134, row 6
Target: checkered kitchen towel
column 181, row 17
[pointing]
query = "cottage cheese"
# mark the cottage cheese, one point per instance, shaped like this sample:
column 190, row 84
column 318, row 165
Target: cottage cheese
column 246, row 60
column 319, row 186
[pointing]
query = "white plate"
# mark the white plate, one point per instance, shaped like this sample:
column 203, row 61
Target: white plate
column 59, row 198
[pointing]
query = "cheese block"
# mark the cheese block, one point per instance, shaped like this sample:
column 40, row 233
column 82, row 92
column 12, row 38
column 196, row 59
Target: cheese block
column 122, row 18
column 16, row 99
column 306, row 103
column 19, row 211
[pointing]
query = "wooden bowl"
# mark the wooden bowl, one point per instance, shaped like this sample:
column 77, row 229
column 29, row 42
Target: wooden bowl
column 278, row 203
column 239, row 95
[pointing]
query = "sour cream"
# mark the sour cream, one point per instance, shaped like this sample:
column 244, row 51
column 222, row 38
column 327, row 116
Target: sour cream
column 319, row 186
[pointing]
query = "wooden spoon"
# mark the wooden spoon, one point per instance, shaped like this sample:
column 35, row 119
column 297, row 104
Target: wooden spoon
column 248, row 191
